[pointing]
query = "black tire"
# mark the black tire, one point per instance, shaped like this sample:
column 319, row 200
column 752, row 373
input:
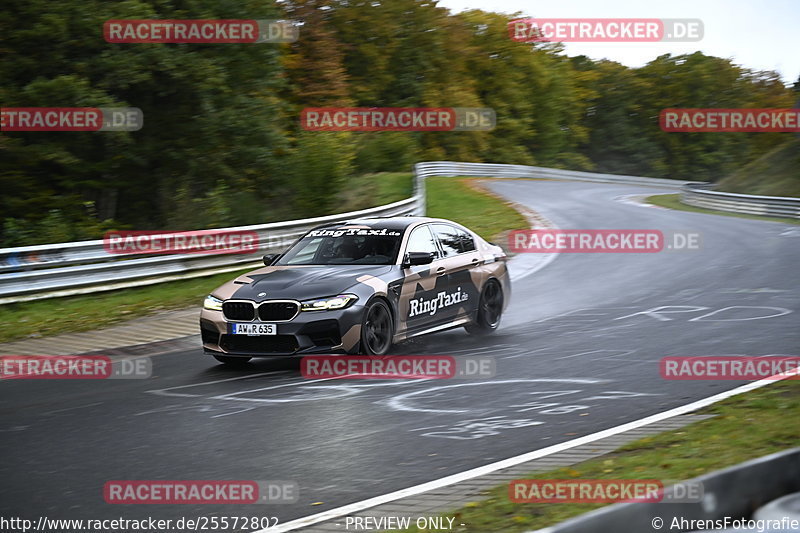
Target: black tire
column 490, row 310
column 377, row 329
column 232, row 360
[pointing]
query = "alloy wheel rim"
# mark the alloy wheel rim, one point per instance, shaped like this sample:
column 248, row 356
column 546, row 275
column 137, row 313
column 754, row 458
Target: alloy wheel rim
column 377, row 329
column 492, row 305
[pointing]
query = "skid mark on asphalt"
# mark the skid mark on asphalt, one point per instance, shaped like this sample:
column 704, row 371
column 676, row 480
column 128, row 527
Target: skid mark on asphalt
column 306, row 393
column 597, row 352
column 667, row 313
column 169, row 390
column 175, row 409
column 410, row 401
column 479, row 427
column 72, row 408
column 488, row 426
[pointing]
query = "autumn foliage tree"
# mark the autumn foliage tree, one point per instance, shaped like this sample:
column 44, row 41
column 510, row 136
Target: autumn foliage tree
column 222, row 143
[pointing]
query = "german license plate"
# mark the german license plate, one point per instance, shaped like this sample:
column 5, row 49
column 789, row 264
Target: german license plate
column 254, row 329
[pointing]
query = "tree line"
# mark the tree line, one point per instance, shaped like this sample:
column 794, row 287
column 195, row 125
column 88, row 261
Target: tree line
column 222, row 143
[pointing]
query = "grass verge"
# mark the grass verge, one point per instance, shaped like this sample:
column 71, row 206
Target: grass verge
column 672, row 201
column 52, row 316
column 700, row 448
column 459, row 200
column 447, row 197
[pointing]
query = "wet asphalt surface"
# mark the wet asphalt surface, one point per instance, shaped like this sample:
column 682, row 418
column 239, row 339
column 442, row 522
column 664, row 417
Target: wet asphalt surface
column 578, row 352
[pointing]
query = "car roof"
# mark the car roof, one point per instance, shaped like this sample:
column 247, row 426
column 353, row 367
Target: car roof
column 396, row 223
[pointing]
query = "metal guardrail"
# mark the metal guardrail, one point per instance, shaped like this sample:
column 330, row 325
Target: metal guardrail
column 733, row 492
column 700, row 195
column 692, row 193
column 453, row 168
column 36, row 272
column 497, row 170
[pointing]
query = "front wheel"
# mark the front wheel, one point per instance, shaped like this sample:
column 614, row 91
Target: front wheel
column 490, row 310
column 377, row 329
column 232, row 360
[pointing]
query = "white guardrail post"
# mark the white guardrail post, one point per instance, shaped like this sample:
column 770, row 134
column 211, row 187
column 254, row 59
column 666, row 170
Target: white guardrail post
column 36, row 272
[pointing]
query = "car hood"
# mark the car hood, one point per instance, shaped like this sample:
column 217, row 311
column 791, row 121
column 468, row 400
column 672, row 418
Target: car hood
column 301, row 282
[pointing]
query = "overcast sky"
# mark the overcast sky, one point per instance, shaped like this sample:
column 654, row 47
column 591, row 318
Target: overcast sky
column 758, row 34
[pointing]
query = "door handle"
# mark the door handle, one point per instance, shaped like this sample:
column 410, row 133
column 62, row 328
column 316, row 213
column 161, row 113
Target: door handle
column 440, row 271
column 476, row 261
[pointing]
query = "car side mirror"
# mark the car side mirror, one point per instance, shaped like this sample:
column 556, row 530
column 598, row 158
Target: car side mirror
column 417, row 258
column 269, row 258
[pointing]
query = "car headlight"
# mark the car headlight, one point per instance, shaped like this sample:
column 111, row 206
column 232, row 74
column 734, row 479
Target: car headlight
column 213, row 303
column 324, row 304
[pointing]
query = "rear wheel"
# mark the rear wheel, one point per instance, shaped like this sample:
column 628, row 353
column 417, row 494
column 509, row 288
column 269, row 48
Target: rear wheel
column 231, row 360
column 490, row 310
column 377, row 329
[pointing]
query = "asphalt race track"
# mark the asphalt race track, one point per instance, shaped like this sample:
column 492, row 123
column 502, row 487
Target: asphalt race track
column 578, row 352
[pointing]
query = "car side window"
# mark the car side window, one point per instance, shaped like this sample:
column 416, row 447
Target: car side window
column 467, row 242
column 421, row 240
column 448, row 238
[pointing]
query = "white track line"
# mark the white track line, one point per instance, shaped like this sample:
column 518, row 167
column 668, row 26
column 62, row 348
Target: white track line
column 511, row 461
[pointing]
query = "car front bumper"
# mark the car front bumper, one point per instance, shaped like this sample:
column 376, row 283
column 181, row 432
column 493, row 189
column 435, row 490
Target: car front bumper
column 337, row 331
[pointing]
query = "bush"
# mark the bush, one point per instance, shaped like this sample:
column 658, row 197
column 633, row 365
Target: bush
column 318, row 167
column 56, row 226
column 385, row 152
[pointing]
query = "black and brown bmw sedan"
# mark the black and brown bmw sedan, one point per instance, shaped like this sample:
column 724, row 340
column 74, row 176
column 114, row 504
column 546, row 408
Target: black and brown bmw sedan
column 357, row 287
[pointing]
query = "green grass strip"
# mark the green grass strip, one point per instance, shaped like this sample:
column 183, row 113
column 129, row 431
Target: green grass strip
column 746, row 426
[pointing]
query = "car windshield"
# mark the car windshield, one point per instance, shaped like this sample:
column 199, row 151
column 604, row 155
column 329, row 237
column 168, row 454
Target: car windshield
column 345, row 246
